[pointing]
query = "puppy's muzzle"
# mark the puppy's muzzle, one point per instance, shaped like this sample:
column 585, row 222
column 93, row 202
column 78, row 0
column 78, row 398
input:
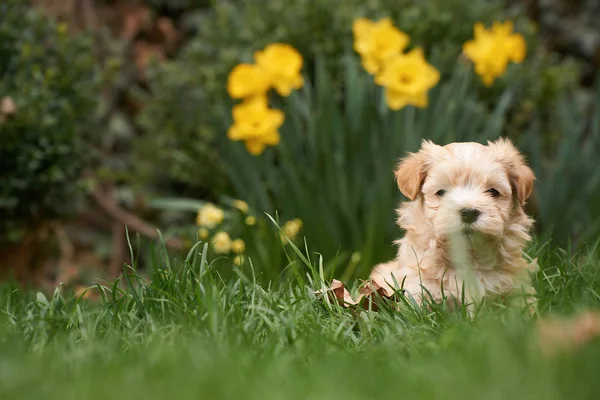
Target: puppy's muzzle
column 469, row 215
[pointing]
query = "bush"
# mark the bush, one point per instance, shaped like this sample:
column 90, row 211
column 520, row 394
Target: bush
column 177, row 151
column 50, row 78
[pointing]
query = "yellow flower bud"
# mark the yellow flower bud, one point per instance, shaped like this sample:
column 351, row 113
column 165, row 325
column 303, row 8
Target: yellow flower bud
column 239, row 259
column 241, row 205
column 221, row 243
column 291, row 229
column 209, row 216
column 238, row 246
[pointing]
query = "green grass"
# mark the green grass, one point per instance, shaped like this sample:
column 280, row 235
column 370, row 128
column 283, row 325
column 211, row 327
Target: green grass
column 188, row 334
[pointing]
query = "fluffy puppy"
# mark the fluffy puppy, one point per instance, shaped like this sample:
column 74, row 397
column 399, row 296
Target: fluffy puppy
column 465, row 224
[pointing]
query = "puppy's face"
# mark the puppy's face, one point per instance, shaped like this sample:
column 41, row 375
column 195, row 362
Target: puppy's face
column 467, row 188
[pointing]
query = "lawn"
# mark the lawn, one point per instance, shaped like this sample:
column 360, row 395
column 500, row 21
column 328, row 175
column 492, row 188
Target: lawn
column 186, row 333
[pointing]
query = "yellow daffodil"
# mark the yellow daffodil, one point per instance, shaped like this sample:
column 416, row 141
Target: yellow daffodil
column 250, row 220
column 291, row 229
column 256, row 124
column 492, row 50
column 241, row 205
column 238, row 246
column 282, row 64
column 377, row 42
column 203, row 233
column 407, row 78
column 247, row 80
column 209, row 216
column 221, row 243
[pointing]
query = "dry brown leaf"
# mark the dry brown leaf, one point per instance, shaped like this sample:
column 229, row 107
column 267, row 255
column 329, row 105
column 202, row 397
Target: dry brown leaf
column 367, row 291
column 337, row 292
column 559, row 334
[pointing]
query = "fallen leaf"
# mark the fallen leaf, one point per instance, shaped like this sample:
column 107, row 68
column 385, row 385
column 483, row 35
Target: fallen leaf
column 337, row 292
column 367, row 291
column 560, row 334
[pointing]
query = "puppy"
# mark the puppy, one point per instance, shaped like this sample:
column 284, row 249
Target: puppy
column 465, row 224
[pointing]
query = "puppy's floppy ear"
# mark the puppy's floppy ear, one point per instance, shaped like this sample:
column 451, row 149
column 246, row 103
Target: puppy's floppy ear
column 520, row 175
column 523, row 180
column 412, row 170
column 410, row 174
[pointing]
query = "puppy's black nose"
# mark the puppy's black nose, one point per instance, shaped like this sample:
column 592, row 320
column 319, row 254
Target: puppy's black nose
column 469, row 215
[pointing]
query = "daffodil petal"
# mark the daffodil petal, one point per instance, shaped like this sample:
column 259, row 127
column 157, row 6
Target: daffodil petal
column 254, row 147
column 234, row 133
column 479, row 30
column 516, row 48
column 370, row 64
column 488, row 79
column 246, row 80
column 283, row 88
column 421, row 100
column 361, row 26
column 395, row 100
column 272, row 138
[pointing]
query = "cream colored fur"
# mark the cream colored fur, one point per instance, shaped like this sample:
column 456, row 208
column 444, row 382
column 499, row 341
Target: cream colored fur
column 443, row 254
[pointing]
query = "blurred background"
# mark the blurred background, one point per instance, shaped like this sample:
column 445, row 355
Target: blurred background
column 114, row 119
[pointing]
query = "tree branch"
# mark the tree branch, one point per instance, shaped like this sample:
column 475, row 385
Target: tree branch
column 110, row 206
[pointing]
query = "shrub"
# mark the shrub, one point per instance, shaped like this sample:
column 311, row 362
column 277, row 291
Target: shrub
column 177, row 149
column 49, row 76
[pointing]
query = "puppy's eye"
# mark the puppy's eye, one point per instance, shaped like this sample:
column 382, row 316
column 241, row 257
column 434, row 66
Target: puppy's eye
column 440, row 192
column 493, row 192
